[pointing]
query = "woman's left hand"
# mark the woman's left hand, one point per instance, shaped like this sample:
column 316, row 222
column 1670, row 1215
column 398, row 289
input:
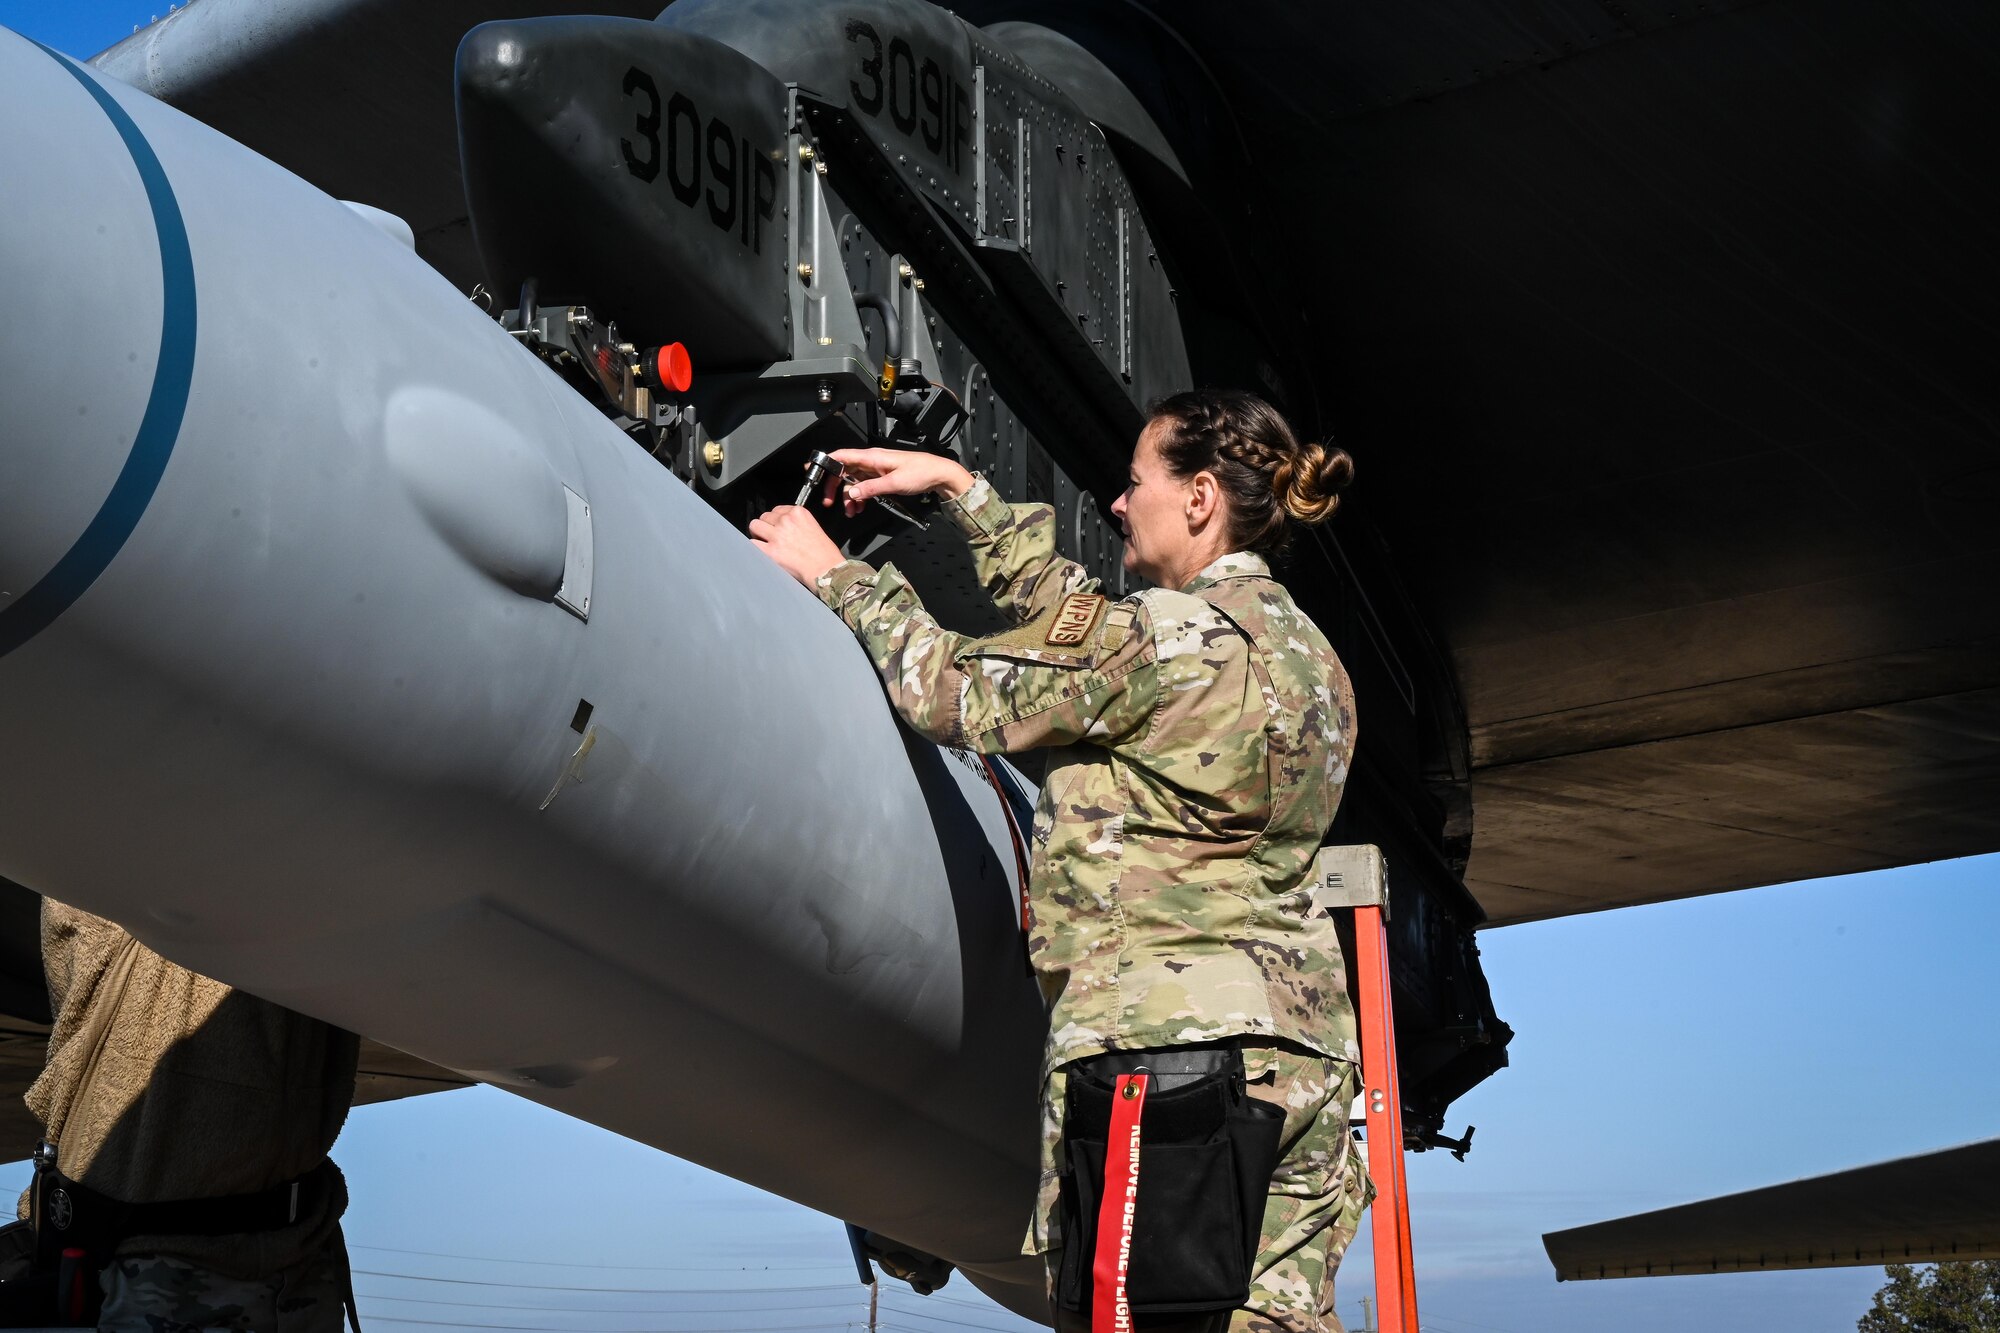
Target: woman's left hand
column 791, row 536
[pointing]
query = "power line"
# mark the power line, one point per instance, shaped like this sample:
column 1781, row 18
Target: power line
column 988, row 1304
column 628, row 1268
column 915, row 1313
column 637, row 1268
column 758, row 1290
column 768, row 1328
column 1448, row 1320
column 740, row 1309
column 510, row 1305
column 537, row 1327
column 628, row 1291
column 925, row 1314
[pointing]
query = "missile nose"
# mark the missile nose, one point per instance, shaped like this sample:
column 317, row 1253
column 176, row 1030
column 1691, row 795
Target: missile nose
column 96, row 358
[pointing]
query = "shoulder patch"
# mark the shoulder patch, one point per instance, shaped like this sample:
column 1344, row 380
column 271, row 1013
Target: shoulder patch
column 1074, row 632
column 1074, row 619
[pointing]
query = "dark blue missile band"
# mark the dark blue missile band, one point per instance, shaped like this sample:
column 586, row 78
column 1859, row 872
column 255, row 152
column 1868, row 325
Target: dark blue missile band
column 36, row 609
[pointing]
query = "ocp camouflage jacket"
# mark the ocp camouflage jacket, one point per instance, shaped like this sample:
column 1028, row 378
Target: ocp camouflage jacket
column 1202, row 738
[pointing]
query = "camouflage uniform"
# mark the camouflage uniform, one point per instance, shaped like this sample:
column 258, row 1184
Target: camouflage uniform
column 154, row 1294
column 1200, row 740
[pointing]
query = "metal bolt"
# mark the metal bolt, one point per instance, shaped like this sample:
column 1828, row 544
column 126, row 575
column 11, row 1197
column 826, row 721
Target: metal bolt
column 905, row 270
column 806, row 153
column 820, row 167
column 806, row 272
column 826, row 342
column 825, row 393
column 918, row 283
column 711, row 454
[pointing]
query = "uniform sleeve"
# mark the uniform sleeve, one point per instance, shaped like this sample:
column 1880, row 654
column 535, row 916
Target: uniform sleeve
column 1006, row 693
column 1014, row 552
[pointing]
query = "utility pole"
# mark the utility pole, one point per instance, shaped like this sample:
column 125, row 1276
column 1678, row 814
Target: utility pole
column 874, row 1290
column 1367, row 1316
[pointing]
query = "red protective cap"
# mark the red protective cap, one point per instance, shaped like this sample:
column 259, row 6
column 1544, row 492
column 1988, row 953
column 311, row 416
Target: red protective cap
column 673, row 368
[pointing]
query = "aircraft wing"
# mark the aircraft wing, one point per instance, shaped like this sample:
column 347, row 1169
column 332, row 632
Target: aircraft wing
column 1653, row 331
column 1654, row 338
column 1931, row 1208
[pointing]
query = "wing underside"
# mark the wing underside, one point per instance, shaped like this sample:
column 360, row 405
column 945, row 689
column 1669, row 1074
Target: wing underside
column 1654, row 330
column 1930, row 1208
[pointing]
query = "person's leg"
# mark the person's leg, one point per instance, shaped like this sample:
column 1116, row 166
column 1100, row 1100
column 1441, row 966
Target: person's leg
column 150, row 1293
column 155, row 1294
column 311, row 1296
column 1045, row 1236
column 1069, row 1322
column 1316, row 1196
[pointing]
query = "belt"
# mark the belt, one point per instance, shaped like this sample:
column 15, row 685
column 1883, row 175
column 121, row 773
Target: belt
column 73, row 1208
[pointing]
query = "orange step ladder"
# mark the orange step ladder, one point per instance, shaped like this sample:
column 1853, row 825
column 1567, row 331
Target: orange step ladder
column 1356, row 877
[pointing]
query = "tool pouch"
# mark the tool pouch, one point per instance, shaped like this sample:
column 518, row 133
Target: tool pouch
column 1207, row 1151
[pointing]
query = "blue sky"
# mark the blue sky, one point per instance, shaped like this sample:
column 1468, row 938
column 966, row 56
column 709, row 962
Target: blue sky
column 1663, row 1054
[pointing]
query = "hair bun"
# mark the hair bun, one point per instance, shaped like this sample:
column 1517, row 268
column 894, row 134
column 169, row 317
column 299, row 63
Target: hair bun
column 1309, row 483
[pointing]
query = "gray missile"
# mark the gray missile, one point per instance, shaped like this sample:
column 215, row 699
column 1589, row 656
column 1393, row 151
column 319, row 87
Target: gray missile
column 349, row 656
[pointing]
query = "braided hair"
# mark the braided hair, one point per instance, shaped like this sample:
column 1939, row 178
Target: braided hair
column 1270, row 479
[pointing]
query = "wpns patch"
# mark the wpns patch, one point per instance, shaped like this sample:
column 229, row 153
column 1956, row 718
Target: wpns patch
column 1074, row 619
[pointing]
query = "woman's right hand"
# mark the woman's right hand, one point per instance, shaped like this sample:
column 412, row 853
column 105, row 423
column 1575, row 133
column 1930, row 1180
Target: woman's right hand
column 867, row 473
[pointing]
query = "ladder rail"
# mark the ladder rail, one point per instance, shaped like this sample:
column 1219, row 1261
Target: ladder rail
column 1356, row 877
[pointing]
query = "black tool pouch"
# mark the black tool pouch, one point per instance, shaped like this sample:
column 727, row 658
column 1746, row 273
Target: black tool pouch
column 1207, row 1151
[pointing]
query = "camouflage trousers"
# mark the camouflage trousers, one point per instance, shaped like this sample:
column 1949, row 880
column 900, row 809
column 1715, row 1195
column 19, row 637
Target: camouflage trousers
column 1311, row 1213
column 150, row 1293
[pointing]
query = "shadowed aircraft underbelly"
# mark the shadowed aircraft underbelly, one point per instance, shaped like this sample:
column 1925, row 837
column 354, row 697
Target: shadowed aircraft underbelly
column 1656, row 332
